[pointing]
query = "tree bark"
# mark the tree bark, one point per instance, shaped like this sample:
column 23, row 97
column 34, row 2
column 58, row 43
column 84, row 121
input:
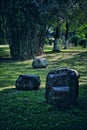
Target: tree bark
column 41, row 37
column 23, row 43
column 66, row 35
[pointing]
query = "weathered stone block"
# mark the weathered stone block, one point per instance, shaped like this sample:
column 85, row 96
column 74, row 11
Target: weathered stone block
column 62, row 87
column 28, row 82
column 40, row 63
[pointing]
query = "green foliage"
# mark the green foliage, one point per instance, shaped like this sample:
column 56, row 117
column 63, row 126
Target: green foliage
column 75, row 40
column 83, row 42
column 46, row 41
column 83, row 30
column 19, row 17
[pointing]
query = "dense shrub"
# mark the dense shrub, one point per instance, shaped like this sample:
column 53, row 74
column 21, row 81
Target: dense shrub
column 75, row 40
column 83, row 42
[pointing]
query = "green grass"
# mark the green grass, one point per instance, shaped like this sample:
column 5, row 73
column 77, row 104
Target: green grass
column 27, row 110
column 4, row 51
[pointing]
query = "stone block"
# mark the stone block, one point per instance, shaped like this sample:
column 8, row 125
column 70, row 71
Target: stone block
column 40, row 63
column 28, row 82
column 62, row 87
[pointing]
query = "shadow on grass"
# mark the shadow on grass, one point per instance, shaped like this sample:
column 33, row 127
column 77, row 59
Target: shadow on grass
column 38, row 96
column 11, row 69
column 28, row 109
column 7, row 60
column 64, row 51
column 24, row 109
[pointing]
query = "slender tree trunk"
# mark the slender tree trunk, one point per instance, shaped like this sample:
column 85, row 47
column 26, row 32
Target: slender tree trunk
column 41, row 37
column 56, row 41
column 66, row 35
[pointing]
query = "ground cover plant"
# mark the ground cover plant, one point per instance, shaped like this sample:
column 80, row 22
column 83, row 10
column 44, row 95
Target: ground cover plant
column 27, row 110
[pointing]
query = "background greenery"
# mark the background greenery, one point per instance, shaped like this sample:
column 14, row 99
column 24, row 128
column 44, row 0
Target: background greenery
column 27, row 110
column 26, row 25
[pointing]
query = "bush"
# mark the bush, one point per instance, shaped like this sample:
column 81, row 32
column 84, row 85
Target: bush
column 83, row 42
column 75, row 40
column 46, row 41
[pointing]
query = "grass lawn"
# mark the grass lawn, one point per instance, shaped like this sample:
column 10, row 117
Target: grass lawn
column 27, row 110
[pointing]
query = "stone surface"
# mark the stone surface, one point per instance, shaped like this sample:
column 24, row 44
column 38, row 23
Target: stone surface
column 28, row 82
column 40, row 63
column 62, row 87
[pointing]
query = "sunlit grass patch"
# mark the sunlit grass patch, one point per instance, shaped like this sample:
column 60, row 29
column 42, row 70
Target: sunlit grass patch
column 28, row 110
column 4, row 51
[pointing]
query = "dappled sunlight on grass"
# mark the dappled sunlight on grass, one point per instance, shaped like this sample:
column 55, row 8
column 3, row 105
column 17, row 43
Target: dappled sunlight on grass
column 4, row 50
column 28, row 109
column 11, row 70
column 9, row 87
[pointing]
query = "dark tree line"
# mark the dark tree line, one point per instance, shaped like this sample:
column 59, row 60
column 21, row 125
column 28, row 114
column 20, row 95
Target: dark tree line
column 24, row 23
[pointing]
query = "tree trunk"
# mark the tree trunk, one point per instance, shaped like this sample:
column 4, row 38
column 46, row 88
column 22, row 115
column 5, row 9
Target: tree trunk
column 29, row 45
column 41, row 37
column 23, row 43
column 56, row 41
column 14, row 44
column 66, row 35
